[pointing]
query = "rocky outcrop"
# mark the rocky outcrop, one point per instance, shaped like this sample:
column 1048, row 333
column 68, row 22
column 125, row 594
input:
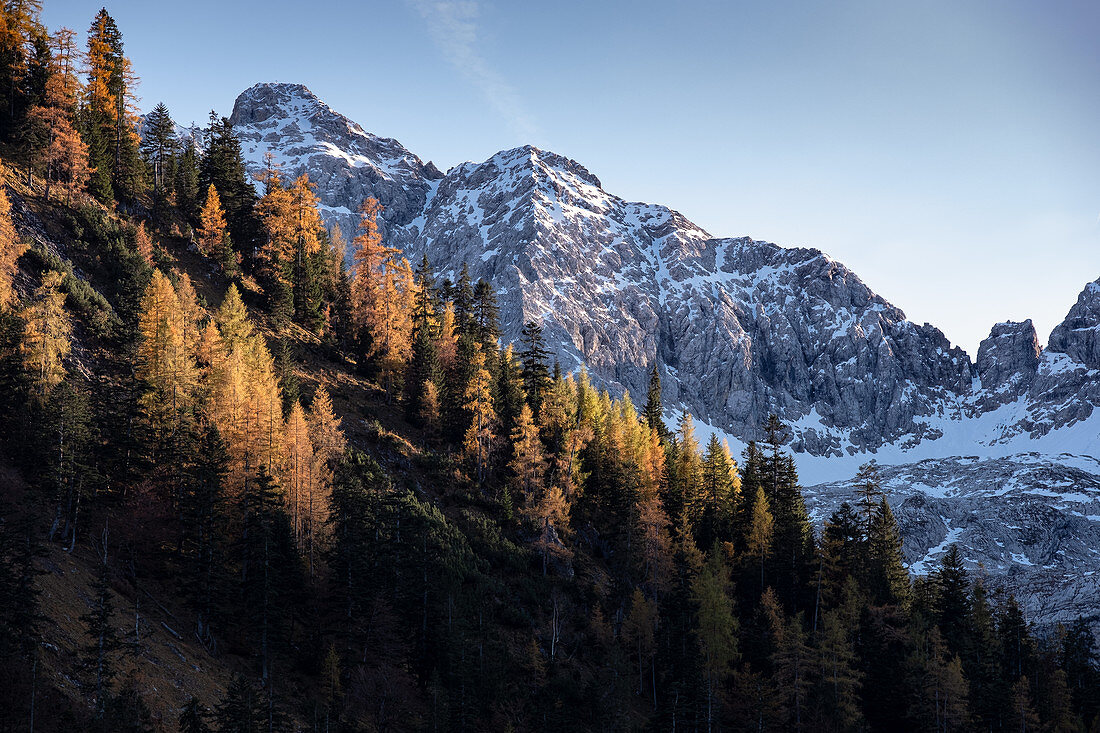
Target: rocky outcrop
column 1007, row 363
column 1078, row 336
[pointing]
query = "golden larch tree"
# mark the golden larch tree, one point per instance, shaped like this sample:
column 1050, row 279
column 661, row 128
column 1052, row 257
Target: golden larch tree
column 214, row 241
column 528, row 464
column 143, row 244
column 11, row 247
column 329, row 445
column 383, row 292
column 299, row 477
column 47, row 335
column 164, row 362
column 479, row 404
column 191, row 313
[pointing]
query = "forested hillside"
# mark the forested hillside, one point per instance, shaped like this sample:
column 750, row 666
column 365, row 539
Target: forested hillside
column 245, row 488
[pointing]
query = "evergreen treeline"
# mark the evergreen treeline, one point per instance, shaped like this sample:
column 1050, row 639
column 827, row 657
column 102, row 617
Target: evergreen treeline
column 538, row 556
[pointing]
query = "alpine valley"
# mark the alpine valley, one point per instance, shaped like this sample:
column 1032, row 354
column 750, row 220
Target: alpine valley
column 997, row 453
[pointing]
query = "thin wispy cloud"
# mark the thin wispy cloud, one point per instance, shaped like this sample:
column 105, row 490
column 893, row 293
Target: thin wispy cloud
column 453, row 27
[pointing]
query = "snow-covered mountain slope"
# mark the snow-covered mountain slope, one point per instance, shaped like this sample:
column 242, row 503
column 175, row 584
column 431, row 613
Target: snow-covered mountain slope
column 739, row 328
column 1030, row 522
column 304, row 135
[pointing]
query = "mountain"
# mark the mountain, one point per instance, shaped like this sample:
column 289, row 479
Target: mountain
column 738, row 328
column 1029, row 522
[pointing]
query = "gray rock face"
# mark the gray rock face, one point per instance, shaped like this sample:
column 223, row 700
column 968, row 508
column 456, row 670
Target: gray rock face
column 1007, row 362
column 1029, row 523
column 348, row 164
column 740, row 328
column 1078, row 337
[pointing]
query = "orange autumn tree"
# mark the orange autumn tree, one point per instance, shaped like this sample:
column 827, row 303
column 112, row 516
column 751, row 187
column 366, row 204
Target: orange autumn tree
column 329, row 445
column 479, row 404
column 245, row 402
column 293, row 225
column 143, row 244
column 528, row 464
column 214, row 240
column 382, row 295
column 47, row 335
column 110, row 108
column 299, row 478
column 61, row 155
column 11, row 247
column 165, row 364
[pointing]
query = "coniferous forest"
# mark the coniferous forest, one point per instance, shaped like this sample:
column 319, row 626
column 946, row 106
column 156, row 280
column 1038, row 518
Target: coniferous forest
column 260, row 475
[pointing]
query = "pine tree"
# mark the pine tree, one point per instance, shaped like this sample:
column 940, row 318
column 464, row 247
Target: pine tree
column 533, row 356
column 953, row 601
column 186, row 179
column 203, row 508
column 159, row 146
column 47, row 335
column 1079, row 662
column 269, row 565
column 99, row 654
column 887, row 579
column 222, row 166
column 486, row 316
column 837, row 678
column 790, row 659
column 1017, row 645
column 868, row 494
column 792, row 543
column 241, row 710
column 686, row 476
column 639, row 631
column 424, row 364
column 939, row 686
column 462, row 296
column 982, row 660
column 716, row 628
column 654, row 412
column 718, row 497
column 193, row 717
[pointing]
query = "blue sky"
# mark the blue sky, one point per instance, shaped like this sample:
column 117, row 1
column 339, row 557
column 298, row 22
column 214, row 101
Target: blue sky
column 947, row 151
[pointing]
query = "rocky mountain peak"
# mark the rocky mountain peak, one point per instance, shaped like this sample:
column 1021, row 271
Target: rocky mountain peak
column 261, row 102
column 1078, row 336
column 347, row 163
column 1009, row 357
